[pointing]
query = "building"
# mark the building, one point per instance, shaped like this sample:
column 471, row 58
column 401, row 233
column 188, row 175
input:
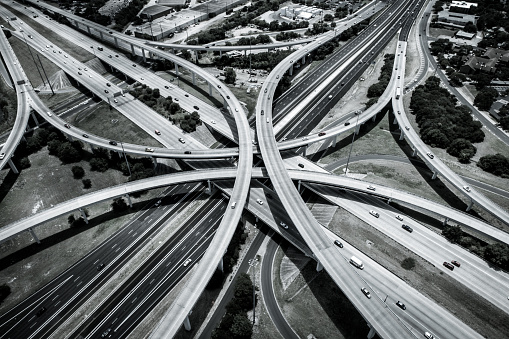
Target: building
column 153, row 12
column 464, row 35
column 462, row 6
column 173, row 3
column 500, row 55
column 475, row 64
column 458, row 20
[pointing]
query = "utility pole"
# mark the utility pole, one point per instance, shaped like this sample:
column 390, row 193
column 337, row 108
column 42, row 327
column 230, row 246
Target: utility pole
column 353, row 139
column 125, row 157
column 49, row 83
column 24, row 38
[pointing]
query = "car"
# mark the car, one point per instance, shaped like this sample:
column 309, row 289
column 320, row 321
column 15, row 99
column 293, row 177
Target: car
column 373, row 213
column 407, row 128
column 338, row 243
column 100, row 266
column 399, row 77
column 347, row 123
column 54, row 51
column 187, row 262
column 366, row 292
column 321, row 134
column 304, row 138
column 227, row 97
column 108, row 84
column 106, row 91
column 134, row 65
column 330, row 97
column 284, row 139
column 187, row 152
column 282, row 224
column 265, row 91
column 234, row 204
column 448, row 265
column 186, row 95
column 236, row 109
column 212, row 121
column 106, row 333
column 41, row 311
column 2, row 156
column 89, row 76
column 112, row 142
column 259, row 201
column 115, row 101
column 466, row 188
column 372, row 188
column 65, row 56
column 261, row 112
column 254, row 142
column 196, row 108
column 85, row 135
column 142, row 79
column 49, row 114
column 218, row 86
column 301, row 165
column 268, row 120
column 148, row 149
column 429, row 335
column 67, row 126
column 400, row 305
column 80, row 73
column 430, row 155
column 110, row 56
column 455, row 263
column 399, row 112
column 407, row 228
column 399, row 217
column 166, row 87
column 116, row 55
column 182, row 141
column 158, row 203
column 157, row 132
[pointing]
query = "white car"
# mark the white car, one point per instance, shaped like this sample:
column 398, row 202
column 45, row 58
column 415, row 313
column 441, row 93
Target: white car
column 430, row 155
column 212, row 121
column 49, row 114
column 2, row 156
column 259, row 201
column 282, row 224
column 187, row 262
column 373, row 213
column 466, row 188
column 428, row 335
column 182, row 141
column 372, row 188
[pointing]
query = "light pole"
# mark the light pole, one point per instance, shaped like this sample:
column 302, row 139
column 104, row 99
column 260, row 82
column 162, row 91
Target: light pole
column 252, row 263
column 49, row 83
column 357, row 113
column 125, row 157
column 26, row 43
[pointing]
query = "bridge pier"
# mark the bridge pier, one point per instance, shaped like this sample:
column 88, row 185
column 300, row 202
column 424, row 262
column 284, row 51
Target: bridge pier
column 414, row 153
column 34, row 117
column 129, row 200
column 303, row 60
column 101, row 35
column 401, row 136
column 83, row 215
column 116, row 41
column 298, row 185
column 304, row 151
column 290, row 71
column 70, row 138
column 143, row 54
column 374, row 118
column 220, row 266
column 319, row 266
column 177, row 69
column 470, row 205
column 357, row 129
column 395, row 122
column 445, row 221
column 210, row 188
column 210, row 90
column 154, row 160
column 88, row 30
column 333, row 143
column 434, row 176
column 12, row 166
column 390, row 200
column 220, row 53
column 132, row 49
column 194, row 78
column 371, row 332
column 34, row 235
column 187, row 323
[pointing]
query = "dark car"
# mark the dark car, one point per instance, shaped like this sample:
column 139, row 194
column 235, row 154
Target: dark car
column 85, row 135
column 455, row 263
column 261, row 113
column 407, row 228
column 338, row 243
column 347, row 123
column 67, row 126
column 106, row 91
column 166, row 87
column 301, row 165
column 186, row 95
column 100, row 267
column 114, row 143
column 134, row 65
column 41, row 311
column 196, row 107
column 448, row 265
column 106, row 333
column 227, row 97
column 321, row 134
column 108, row 84
column 187, row 152
column 401, row 305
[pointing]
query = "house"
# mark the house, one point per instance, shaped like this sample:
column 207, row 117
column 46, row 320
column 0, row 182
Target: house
column 500, row 55
column 462, row 6
column 479, row 64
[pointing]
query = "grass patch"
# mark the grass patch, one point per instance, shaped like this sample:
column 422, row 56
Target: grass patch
column 9, row 111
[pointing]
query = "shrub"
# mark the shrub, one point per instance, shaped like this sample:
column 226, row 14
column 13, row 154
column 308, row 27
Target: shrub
column 408, row 263
column 87, row 183
column 78, row 172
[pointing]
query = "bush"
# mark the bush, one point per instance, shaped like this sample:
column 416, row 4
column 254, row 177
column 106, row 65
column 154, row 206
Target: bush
column 453, row 233
column 496, row 164
column 87, row 183
column 408, row 263
column 119, row 205
column 71, row 219
column 5, row 290
column 463, row 149
column 78, row 172
column 99, row 164
column 24, row 163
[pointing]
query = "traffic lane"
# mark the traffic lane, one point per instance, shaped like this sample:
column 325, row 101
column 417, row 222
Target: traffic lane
column 86, row 271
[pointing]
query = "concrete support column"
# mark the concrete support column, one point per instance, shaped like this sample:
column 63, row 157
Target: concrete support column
column 334, row 140
column 129, row 200
column 245, row 52
column 12, row 166
column 225, row 104
column 303, row 60
column 177, row 69
column 210, row 90
column 470, row 205
column 34, row 235
column 395, row 122
column 132, row 49
column 401, row 136
column 101, row 35
column 319, row 266
column 256, row 218
column 70, row 138
column 116, row 41
column 88, row 30
column 34, row 117
column 154, row 160
column 220, row 265
column 290, row 71
column 83, row 215
column 374, row 118
column 414, row 153
column 210, row 188
column 389, row 201
column 371, row 332
column 434, row 176
column 298, row 185
column 445, row 221
column 304, row 151
column 150, row 55
column 220, row 53
column 187, row 324
column 194, row 78
column 119, row 154
column 91, row 147
column 143, row 54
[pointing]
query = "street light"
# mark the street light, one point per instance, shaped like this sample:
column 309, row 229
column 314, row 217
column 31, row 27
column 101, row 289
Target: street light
column 125, row 157
column 357, row 113
column 24, row 38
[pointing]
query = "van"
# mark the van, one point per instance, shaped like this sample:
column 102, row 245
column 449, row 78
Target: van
column 356, row 262
column 233, row 205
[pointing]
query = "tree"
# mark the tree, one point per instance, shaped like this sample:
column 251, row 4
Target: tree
column 504, row 123
column 408, row 263
column 98, row 165
column 453, row 233
column 244, row 291
column 174, row 108
column 71, row 219
column 78, row 172
column 241, row 327
column 5, row 290
column 119, row 205
column 461, row 147
column 24, row 163
column 470, row 27
column 67, row 153
column 87, row 183
column 328, row 17
column 496, row 164
column 498, row 254
column 229, row 75
column 485, row 98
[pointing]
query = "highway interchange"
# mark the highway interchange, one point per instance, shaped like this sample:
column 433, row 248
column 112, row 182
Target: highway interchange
column 305, row 233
